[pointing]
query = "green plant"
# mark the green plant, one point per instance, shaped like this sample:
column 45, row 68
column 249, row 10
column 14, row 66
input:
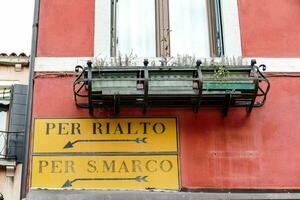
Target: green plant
column 100, row 62
column 153, row 64
column 127, row 60
column 185, row 61
column 220, row 70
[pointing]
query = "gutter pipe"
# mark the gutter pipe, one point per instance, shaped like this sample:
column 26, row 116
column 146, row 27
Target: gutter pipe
column 29, row 100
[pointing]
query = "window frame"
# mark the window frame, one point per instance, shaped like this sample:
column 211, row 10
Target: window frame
column 215, row 27
column 162, row 28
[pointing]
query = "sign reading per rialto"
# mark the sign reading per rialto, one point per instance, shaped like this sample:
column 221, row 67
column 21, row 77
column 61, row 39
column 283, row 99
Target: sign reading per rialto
column 105, row 135
column 110, row 153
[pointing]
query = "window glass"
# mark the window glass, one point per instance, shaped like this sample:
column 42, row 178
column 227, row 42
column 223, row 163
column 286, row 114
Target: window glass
column 3, row 136
column 189, row 27
column 136, row 27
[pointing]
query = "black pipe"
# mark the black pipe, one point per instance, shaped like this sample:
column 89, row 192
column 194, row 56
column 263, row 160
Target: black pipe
column 29, row 99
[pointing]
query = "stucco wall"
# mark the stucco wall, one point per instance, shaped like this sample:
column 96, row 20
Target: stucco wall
column 9, row 76
column 10, row 186
column 239, row 151
column 270, row 28
column 66, row 28
column 257, row 151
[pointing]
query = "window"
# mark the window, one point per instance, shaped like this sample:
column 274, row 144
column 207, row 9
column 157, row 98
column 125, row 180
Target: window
column 189, row 27
column 4, row 106
column 152, row 28
column 139, row 34
column 3, row 135
column 12, row 121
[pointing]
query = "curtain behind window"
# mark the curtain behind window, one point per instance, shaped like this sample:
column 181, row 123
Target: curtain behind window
column 136, row 27
column 189, row 27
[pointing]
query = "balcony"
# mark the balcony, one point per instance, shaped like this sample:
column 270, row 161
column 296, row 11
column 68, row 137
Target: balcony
column 12, row 126
column 8, row 150
column 216, row 85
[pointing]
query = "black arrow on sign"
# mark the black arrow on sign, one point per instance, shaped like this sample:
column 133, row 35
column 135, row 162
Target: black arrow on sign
column 137, row 140
column 69, row 183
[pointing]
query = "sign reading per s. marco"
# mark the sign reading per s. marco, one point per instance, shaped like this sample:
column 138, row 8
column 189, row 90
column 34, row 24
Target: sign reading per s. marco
column 105, row 172
column 105, row 135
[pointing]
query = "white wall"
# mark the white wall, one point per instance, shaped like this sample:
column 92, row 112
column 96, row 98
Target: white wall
column 10, row 186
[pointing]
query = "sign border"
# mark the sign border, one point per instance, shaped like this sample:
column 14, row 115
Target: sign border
column 125, row 153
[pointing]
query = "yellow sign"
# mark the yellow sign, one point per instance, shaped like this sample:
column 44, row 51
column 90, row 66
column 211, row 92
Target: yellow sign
column 118, row 153
column 105, row 135
column 105, row 172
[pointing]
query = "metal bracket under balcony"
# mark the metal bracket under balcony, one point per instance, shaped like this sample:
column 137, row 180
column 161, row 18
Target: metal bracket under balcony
column 194, row 86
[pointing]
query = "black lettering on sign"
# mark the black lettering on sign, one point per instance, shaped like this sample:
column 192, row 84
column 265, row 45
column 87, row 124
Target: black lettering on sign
column 109, row 168
column 75, row 128
column 49, row 126
column 145, row 124
column 159, row 128
column 42, row 164
column 123, row 167
column 136, row 164
column 166, row 165
column 63, row 128
column 69, row 165
column 128, row 166
column 56, row 166
column 92, row 166
column 107, row 128
column 129, row 129
column 97, row 128
column 149, row 167
column 118, row 129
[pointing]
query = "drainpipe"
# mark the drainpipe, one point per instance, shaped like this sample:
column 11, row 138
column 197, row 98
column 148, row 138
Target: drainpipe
column 29, row 99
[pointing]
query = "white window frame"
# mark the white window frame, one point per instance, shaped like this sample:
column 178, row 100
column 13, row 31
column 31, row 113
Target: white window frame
column 162, row 20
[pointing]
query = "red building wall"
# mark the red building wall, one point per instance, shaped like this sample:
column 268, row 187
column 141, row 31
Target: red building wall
column 270, row 28
column 66, row 28
column 239, row 151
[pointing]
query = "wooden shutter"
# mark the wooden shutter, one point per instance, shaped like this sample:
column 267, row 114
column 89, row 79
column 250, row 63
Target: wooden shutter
column 17, row 120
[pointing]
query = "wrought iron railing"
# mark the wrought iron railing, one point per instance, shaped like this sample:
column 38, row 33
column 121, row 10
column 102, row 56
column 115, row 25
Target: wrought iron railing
column 194, row 86
column 9, row 144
